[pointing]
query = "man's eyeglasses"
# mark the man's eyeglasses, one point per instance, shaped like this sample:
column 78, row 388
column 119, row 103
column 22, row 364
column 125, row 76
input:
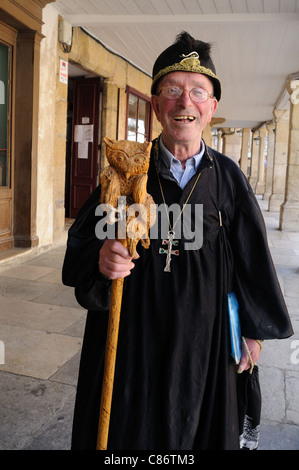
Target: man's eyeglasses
column 198, row 95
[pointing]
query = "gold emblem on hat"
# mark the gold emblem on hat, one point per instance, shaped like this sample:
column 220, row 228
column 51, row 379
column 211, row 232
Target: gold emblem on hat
column 191, row 56
column 190, row 61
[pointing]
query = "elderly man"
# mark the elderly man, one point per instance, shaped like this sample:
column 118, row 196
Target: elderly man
column 175, row 378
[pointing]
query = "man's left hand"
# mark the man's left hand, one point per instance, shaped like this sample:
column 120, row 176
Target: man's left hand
column 254, row 349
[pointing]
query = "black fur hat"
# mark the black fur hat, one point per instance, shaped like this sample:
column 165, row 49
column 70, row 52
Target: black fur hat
column 186, row 54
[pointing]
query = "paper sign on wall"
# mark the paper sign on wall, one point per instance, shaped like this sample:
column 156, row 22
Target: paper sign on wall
column 63, row 71
column 83, row 150
column 83, row 135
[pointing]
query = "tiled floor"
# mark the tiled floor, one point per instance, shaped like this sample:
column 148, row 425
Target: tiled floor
column 41, row 328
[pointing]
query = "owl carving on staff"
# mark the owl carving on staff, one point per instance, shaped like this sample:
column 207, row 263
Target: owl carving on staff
column 126, row 175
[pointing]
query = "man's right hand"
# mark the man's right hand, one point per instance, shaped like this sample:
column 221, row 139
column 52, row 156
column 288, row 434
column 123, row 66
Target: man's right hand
column 114, row 260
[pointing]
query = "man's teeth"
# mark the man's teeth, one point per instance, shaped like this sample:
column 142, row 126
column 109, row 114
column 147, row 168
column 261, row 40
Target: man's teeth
column 184, row 118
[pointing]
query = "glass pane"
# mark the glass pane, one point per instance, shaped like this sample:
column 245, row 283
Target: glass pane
column 132, row 118
column 142, row 117
column 141, row 138
column 4, row 109
column 131, row 136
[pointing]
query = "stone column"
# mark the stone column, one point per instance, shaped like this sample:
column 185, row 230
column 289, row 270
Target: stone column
column 254, row 159
column 260, row 186
column 109, row 115
column 220, row 142
column 270, row 161
column 280, row 158
column 232, row 144
column 110, row 109
column 122, row 109
column 59, row 160
column 215, row 122
column 244, row 150
column 289, row 212
column 207, row 135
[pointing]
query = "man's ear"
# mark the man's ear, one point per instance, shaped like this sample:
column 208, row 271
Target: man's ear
column 214, row 105
column 156, row 107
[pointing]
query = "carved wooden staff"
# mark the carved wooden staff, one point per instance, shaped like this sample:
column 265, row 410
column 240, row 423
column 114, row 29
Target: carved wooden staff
column 115, row 182
column 110, row 358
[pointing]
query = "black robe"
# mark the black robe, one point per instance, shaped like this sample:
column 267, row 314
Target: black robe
column 175, row 379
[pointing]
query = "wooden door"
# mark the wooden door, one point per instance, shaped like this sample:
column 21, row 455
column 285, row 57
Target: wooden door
column 85, row 136
column 7, row 66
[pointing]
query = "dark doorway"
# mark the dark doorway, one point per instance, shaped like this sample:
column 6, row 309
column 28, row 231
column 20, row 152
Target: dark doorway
column 82, row 148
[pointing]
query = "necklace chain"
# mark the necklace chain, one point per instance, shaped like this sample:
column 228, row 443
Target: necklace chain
column 162, row 193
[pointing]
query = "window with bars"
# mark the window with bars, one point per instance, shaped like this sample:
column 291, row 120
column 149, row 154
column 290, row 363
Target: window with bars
column 138, row 116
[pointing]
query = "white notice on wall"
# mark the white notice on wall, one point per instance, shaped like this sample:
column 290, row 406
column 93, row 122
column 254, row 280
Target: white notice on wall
column 83, row 133
column 88, row 133
column 83, row 150
column 78, row 134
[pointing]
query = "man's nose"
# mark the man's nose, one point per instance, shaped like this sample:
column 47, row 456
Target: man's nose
column 185, row 98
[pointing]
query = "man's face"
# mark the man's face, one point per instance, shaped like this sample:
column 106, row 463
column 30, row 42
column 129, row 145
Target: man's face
column 182, row 119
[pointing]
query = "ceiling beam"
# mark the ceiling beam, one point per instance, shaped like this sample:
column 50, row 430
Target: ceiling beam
column 80, row 20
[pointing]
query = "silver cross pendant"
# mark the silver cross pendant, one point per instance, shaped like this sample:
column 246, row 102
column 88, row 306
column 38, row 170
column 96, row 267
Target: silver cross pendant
column 170, row 242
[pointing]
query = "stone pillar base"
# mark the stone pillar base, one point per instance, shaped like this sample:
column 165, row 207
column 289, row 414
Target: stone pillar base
column 252, row 182
column 275, row 202
column 59, row 231
column 266, row 196
column 26, row 242
column 289, row 217
column 260, row 188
